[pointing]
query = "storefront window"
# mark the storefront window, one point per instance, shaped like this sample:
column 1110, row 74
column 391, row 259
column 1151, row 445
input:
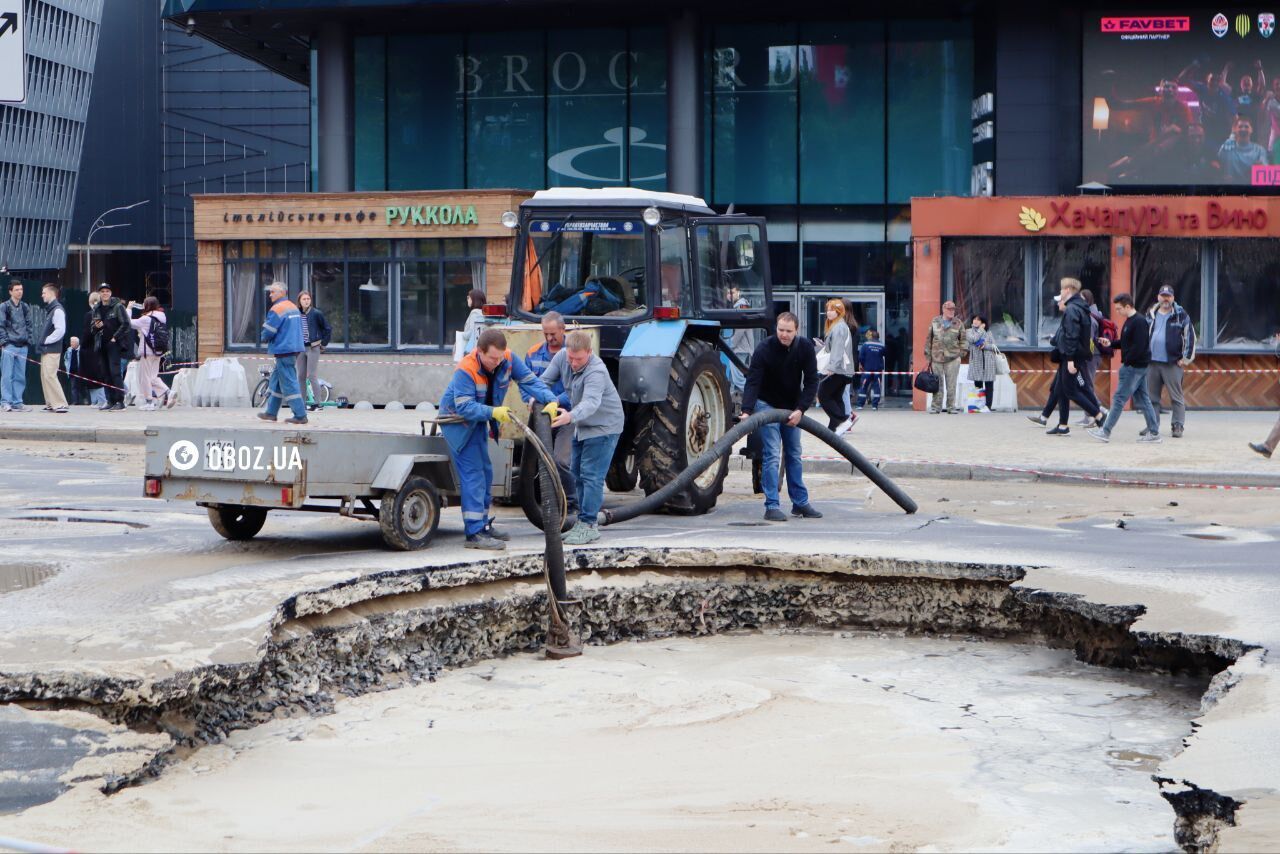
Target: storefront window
column 369, row 296
column 647, row 157
column 503, row 81
column 755, row 73
column 327, row 282
column 1248, row 312
column 246, row 282
column 420, row 304
column 424, row 112
column 988, row 277
column 838, row 265
column 1086, row 260
column 841, row 112
column 930, row 91
column 1173, row 262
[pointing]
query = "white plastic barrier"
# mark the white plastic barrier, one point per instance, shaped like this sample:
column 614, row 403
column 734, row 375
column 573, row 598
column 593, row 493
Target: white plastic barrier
column 1006, row 392
column 221, row 382
column 132, row 393
column 182, row 391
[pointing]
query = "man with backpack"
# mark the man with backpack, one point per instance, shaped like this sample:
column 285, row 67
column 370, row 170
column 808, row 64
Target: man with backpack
column 153, row 342
column 1100, row 327
column 1072, row 345
column 116, row 344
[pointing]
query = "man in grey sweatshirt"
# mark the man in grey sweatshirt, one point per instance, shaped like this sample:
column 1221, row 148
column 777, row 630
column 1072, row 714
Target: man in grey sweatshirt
column 597, row 419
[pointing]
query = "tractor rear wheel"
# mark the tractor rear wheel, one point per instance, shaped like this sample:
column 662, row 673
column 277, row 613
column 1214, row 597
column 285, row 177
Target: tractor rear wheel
column 677, row 430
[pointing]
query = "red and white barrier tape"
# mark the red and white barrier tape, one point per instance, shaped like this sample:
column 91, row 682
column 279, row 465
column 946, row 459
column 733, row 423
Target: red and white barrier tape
column 1058, row 475
column 67, row 373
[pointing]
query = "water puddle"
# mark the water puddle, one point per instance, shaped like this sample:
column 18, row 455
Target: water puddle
column 90, row 520
column 23, row 576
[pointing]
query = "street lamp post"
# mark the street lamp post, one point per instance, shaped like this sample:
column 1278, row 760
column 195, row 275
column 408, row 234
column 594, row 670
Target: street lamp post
column 97, row 226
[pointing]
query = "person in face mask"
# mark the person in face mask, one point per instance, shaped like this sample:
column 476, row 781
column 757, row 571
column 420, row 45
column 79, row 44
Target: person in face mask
column 839, row 370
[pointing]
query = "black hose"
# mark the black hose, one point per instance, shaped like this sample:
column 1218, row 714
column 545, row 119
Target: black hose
column 651, row 503
column 552, row 512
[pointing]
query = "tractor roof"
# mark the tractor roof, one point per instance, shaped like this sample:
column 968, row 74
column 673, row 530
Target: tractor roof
column 628, row 197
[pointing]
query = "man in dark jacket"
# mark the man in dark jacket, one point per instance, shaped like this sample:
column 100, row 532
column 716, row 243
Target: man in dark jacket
column 1071, row 343
column 783, row 375
column 16, row 333
column 1135, row 355
column 1173, row 347
column 115, row 337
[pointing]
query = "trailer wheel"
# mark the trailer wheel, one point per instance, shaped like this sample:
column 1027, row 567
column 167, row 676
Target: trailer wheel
column 409, row 518
column 237, row 522
column 677, row 430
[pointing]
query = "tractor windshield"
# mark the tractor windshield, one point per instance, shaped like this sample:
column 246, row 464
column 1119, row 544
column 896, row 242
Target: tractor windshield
column 584, row 268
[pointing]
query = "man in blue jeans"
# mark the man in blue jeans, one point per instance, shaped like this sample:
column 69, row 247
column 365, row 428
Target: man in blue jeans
column 16, row 321
column 597, row 419
column 783, row 375
column 1135, row 356
column 283, row 330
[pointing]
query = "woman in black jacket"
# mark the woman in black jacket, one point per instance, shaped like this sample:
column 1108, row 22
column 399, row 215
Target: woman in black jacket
column 316, row 333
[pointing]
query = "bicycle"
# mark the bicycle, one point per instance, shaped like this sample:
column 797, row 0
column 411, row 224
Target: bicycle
column 322, row 399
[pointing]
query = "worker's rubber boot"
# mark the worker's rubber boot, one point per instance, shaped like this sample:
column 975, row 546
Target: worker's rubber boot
column 484, row 541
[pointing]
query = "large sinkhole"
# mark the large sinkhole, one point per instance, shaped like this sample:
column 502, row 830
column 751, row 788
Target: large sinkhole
column 775, row 702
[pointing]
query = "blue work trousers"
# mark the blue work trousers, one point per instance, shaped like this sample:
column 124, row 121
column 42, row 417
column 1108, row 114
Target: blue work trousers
column 869, row 390
column 781, row 440
column 475, row 473
column 284, row 387
column 1132, row 383
column 13, row 374
column 591, row 458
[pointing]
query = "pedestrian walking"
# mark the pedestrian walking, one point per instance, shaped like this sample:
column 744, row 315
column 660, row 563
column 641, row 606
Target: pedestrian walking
column 1071, row 349
column 871, row 365
column 1131, row 382
column 1268, row 447
column 855, row 338
column 944, row 344
column 72, row 358
column 1099, row 324
column 283, row 331
column 595, row 411
column 1173, row 347
column 55, row 329
column 839, row 370
column 538, row 359
column 1057, row 398
column 111, row 320
column 475, row 301
column 91, row 367
column 982, row 359
column 783, row 375
column 316, row 335
column 16, row 321
column 152, row 331
column 475, row 394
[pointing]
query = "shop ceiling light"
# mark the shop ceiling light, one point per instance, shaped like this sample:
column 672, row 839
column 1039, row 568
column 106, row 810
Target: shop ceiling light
column 1101, row 115
column 370, row 285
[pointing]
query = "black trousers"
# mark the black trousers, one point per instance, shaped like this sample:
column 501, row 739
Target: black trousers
column 1075, row 387
column 115, row 365
column 989, row 388
column 831, row 399
column 1055, row 394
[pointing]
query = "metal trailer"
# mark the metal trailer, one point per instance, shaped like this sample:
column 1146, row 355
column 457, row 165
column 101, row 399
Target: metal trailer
column 401, row 480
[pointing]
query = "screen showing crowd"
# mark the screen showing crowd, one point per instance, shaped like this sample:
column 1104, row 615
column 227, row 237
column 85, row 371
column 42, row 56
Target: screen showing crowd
column 1182, row 99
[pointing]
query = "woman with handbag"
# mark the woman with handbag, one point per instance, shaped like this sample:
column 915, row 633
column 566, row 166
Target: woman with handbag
column 982, row 359
column 838, row 371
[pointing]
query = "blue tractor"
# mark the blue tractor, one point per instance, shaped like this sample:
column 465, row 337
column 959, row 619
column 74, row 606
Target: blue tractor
column 679, row 296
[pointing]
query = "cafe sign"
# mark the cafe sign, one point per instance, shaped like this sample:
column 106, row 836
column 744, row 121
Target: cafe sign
column 1140, row 219
column 406, row 216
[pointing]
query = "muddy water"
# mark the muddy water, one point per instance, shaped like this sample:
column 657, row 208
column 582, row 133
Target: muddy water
column 751, row 742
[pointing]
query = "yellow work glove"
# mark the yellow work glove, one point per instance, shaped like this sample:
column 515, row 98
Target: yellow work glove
column 552, row 409
column 502, row 414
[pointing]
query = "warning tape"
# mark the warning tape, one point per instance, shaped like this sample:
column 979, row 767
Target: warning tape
column 67, row 373
column 1060, row 475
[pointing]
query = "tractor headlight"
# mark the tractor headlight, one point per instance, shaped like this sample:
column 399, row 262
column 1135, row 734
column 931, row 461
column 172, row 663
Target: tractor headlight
column 509, row 219
column 651, row 217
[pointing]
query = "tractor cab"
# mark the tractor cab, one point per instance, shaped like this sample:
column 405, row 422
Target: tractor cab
column 619, row 258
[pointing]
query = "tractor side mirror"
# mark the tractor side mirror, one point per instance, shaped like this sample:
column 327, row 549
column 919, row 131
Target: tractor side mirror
column 744, row 251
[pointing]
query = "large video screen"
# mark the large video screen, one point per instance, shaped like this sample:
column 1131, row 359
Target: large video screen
column 1182, row 99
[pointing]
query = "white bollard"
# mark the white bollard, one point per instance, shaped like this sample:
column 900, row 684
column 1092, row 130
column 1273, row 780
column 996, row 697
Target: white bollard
column 394, row 406
column 363, row 406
